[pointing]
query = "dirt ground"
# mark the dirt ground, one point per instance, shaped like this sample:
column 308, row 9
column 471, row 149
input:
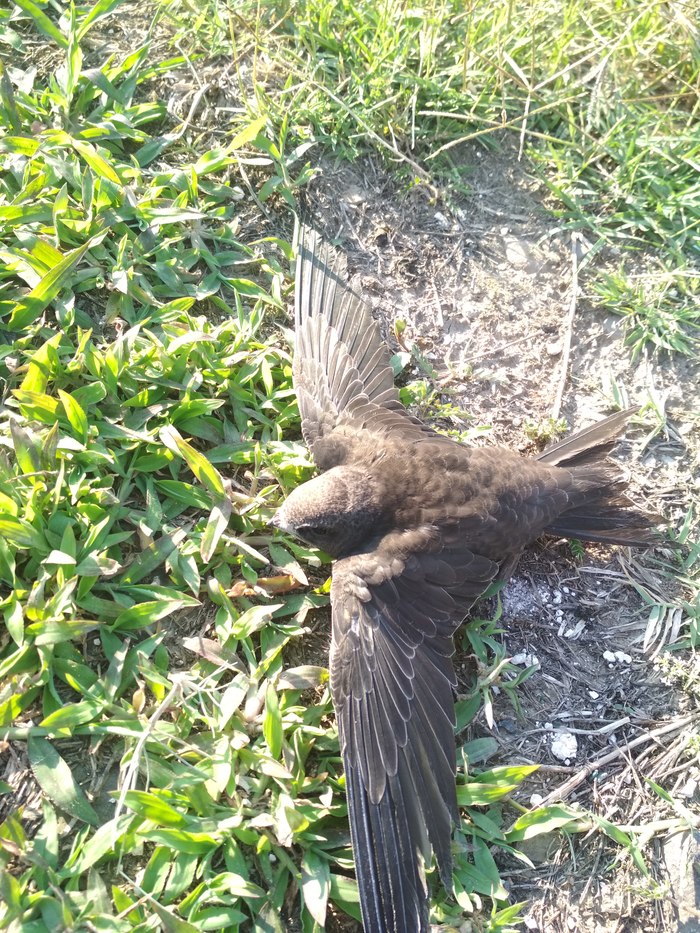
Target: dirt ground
column 492, row 294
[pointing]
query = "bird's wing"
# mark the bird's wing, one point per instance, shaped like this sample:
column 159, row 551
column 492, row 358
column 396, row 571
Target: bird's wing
column 394, row 613
column 342, row 375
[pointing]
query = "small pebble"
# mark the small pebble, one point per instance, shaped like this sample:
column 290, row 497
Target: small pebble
column 593, row 695
column 536, row 800
column 508, row 725
column 617, row 657
column 523, row 659
column 564, row 746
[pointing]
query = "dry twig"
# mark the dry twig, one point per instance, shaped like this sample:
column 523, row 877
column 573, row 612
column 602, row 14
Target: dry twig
column 562, row 792
column 566, row 347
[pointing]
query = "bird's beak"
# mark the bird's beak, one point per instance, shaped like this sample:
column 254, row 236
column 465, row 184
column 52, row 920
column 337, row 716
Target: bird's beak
column 279, row 520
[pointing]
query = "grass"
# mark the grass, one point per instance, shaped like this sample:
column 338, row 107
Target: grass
column 603, row 98
column 149, row 426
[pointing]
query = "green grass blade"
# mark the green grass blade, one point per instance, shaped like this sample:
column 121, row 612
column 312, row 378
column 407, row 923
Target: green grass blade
column 56, row 780
column 43, row 23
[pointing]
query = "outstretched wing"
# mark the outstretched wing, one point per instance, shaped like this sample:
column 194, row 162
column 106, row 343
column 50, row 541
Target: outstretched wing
column 342, row 374
column 392, row 681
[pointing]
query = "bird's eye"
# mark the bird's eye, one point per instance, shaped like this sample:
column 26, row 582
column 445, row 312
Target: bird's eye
column 314, row 529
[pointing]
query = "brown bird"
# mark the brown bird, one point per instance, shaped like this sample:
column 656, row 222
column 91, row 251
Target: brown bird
column 418, row 526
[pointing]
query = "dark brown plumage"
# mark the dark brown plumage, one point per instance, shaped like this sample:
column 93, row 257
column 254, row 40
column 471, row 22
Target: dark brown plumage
column 419, row 526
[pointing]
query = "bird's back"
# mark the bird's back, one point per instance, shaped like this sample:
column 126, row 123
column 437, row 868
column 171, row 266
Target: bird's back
column 500, row 501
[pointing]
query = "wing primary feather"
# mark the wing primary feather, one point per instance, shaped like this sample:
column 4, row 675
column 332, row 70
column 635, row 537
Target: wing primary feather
column 366, row 856
column 342, row 372
column 392, row 890
column 322, row 293
column 436, row 816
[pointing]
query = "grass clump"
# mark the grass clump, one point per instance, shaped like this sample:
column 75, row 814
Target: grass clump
column 604, row 99
column 148, row 422
column 660, row 309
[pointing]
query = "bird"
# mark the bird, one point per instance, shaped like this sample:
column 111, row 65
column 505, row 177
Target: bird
column 418, row 526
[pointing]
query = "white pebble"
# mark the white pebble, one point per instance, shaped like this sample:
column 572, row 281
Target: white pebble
column 523, row 659
column 593, row 695
column 548, row 726
column 564, row 745
column 530, row 923
column 536, row 800
column 617, row 657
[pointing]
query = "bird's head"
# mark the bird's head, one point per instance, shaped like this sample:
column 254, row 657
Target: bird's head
column 335, row 512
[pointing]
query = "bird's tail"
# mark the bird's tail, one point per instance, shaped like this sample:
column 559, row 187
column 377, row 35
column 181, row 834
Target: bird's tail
column 599, row 510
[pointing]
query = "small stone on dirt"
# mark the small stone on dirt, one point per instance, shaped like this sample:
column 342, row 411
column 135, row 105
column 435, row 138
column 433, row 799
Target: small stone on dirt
column 564, row 746
column 523, row 659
